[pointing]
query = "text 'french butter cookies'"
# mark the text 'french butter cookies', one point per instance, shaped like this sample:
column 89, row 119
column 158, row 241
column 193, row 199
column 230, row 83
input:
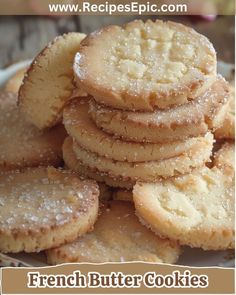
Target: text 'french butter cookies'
column 47, row 86
column 189, row 120
column 80, row 126
column 74, row 164
column 21, row 143
column 227, row 129
column 151, row 170
column 152, row 64
column 118, row 236
column 195, row 209
column 43, row 208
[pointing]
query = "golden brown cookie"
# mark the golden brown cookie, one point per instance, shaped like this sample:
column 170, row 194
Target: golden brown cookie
column 195, row 157
column 74, row 164
column 118, row 236
column 48, row 83
column 227, row 130
column 189, row 120
column 196, row 209
column 21, row 143
column 80, row 126
column 43, row 208
column 14, row 83
column 141, row 66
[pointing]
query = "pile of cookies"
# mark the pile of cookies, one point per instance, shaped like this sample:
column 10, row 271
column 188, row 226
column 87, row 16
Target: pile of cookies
column 140, row 104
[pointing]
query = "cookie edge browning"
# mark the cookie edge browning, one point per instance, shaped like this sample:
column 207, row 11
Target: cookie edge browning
column 227, row 128
column 50, row 237
column 195, row 242
column 210, row 239
column 112, row 122
column 127, row 101
column 92, row 173
column 203, row 151
column 55, row 118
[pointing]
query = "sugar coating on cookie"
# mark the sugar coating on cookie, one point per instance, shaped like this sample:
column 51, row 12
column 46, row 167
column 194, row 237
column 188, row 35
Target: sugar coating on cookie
column 151, row 170
column 21, row 143
column 74, row 164
column 43, row 208
column 189, row 120
column 227, row 129
column 48, row 83
column 118, row 236
column 144, row 65
column 196, row 209
column 224, row 158
column 81, row 127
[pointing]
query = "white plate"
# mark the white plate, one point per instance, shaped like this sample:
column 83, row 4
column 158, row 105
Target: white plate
column 189, row 257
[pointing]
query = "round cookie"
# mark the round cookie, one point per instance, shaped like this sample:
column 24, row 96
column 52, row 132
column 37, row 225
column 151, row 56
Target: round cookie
column 43, row 208
column 21, row 143
column 152, row 170
column 143, row 66
column 118, row 236
column 189, row 120
column 80, row 126
column 227, row 130
column 195, row 209
column 48, row 83
column 14, row 83
column 74, row 164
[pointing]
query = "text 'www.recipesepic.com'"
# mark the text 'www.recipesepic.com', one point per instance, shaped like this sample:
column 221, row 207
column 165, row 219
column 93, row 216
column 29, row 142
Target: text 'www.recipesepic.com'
column 110, row 8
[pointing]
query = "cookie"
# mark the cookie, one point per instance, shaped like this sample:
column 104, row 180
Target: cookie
column 122, row 195
column 227, row 130
column 21, row 143
column 80, row 126
column 74, row 164
column 143, row 66
column 48, row 83
column 118, row 236
column 14, row 83
column 152, row 170
column 190, row 120
column 43, row 208
column 195, row 209
column 224, row 158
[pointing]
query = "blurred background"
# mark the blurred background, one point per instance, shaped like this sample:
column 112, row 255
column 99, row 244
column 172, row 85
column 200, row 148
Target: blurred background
column 22, row 37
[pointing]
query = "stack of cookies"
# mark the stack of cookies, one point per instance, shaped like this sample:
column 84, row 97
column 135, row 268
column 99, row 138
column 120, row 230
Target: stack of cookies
column 140, row 105
column 155, row 100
